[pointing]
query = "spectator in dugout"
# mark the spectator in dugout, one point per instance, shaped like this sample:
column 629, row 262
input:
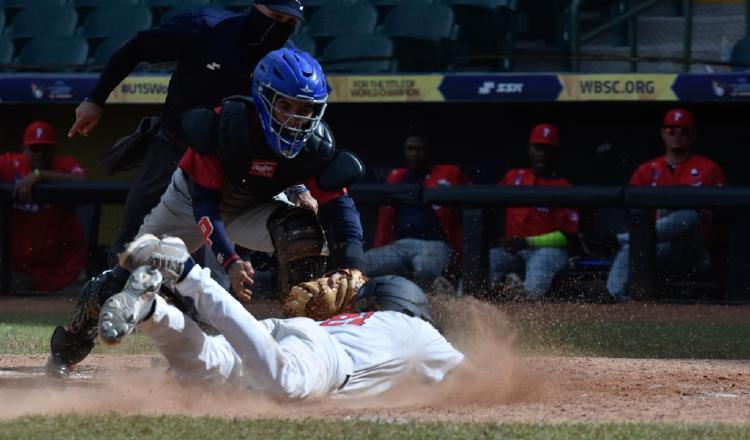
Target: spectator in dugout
column 536, row 238
column 417, row 241
column 681, row 235
column 47, row 244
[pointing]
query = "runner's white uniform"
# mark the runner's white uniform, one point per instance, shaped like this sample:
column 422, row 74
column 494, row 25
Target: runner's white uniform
column 357, row 354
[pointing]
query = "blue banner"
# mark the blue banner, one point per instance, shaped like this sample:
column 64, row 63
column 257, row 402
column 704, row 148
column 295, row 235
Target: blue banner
column 541, row 88
column 712, row 87
column 47, row 88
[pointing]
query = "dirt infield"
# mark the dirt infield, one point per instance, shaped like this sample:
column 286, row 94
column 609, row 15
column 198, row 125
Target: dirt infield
column 550, row 389
column 496, row 383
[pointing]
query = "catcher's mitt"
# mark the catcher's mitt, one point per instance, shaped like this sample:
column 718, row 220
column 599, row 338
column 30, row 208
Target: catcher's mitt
column 324, row 297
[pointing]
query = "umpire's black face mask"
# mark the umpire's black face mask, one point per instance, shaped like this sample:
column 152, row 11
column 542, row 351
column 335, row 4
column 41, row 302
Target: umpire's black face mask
column 265, row 33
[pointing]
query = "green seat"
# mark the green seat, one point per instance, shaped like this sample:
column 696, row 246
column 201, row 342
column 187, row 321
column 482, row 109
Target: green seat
column 20, row 4
column 335, row 20
column 740, row 57
column 233, row 5
column 305, row 43
column 420, row 21
column 85, row 7
column 53, row 53
column 105, row 49
column 341, row 54
column 386, row 6
column 484, row 29
column 43, row 20
column 7, row 48
column 313, row 6
column 102, row 3
column 174, row 3
column 116, row 21
column 421, row 35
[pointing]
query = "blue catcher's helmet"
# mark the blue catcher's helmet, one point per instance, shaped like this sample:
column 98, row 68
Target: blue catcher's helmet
column 292, row 75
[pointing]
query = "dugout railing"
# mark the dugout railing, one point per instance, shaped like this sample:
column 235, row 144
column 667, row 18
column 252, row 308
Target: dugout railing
column 475, row 201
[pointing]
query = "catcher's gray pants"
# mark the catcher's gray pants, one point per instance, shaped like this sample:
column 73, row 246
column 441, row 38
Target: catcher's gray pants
column 174, row 216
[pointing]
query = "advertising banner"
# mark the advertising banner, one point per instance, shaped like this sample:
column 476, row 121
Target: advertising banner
column 394, row 88
column 513, row 88
column 617, row 87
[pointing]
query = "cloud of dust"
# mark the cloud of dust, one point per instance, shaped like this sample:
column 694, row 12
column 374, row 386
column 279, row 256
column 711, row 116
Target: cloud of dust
column 492, row 373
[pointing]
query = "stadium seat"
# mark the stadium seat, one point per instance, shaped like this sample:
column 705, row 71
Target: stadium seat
column 20, row 4
column 313, row 6
column 421, row 34
column 47, row 20
column 740, row 57
column 2, row 20
column 340, row 54
column 53, row 53
column 116, row 21
column 6, row 51
column 484, row 29
column 174, row 3
column 386, row 6
column 305, row 42
column 233, row 5
column 84, row 7
column 105, row 49
column 330, row 22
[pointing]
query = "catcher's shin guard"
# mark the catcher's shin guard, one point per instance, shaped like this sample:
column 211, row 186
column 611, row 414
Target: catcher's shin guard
column 69, row 346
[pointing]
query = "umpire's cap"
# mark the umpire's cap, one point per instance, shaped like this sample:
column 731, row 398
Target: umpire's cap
column 393, row 293
column 294, row 8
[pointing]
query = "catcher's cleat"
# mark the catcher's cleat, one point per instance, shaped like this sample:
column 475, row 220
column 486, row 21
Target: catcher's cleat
column 122, row 312
column 168, row 255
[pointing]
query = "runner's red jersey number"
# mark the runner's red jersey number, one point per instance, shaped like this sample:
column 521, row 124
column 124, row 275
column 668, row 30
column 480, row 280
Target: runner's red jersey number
column 347, row 319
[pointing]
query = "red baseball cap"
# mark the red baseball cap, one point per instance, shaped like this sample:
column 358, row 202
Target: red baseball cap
column 37, row 133
column 679, row 117
column 546, row 134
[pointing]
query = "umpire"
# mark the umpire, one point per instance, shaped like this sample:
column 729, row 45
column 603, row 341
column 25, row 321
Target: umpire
column 216, row 52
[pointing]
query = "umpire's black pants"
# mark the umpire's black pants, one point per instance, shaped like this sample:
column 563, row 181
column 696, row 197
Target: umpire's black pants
column 162, row 153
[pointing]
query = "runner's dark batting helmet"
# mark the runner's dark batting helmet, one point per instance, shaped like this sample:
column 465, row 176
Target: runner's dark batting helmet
column 393, row 293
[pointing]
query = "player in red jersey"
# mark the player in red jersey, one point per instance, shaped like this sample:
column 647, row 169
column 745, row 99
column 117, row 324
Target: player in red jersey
column 682, row 234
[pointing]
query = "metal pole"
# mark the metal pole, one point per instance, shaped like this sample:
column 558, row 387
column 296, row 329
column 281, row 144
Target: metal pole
column 642, row 255
column 6, row 210
column 574, row 7
column 688, row 38
column 474, row 265
column 633, row 36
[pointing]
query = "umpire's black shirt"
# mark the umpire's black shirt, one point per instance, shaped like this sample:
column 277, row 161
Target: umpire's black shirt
column 214, row 60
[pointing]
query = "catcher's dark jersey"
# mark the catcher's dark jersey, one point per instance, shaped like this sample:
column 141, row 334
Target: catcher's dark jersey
column 246, row 177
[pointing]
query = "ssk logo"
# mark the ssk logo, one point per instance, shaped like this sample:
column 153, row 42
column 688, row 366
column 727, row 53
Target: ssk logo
column 495, row 87
column 263, row 168
column 213, row 66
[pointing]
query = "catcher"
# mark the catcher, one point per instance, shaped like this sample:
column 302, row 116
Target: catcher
column 228, row 187
column 387, row 338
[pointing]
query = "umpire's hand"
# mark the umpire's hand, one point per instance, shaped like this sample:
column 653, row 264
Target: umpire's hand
column 88, row 115
column 241, row 275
